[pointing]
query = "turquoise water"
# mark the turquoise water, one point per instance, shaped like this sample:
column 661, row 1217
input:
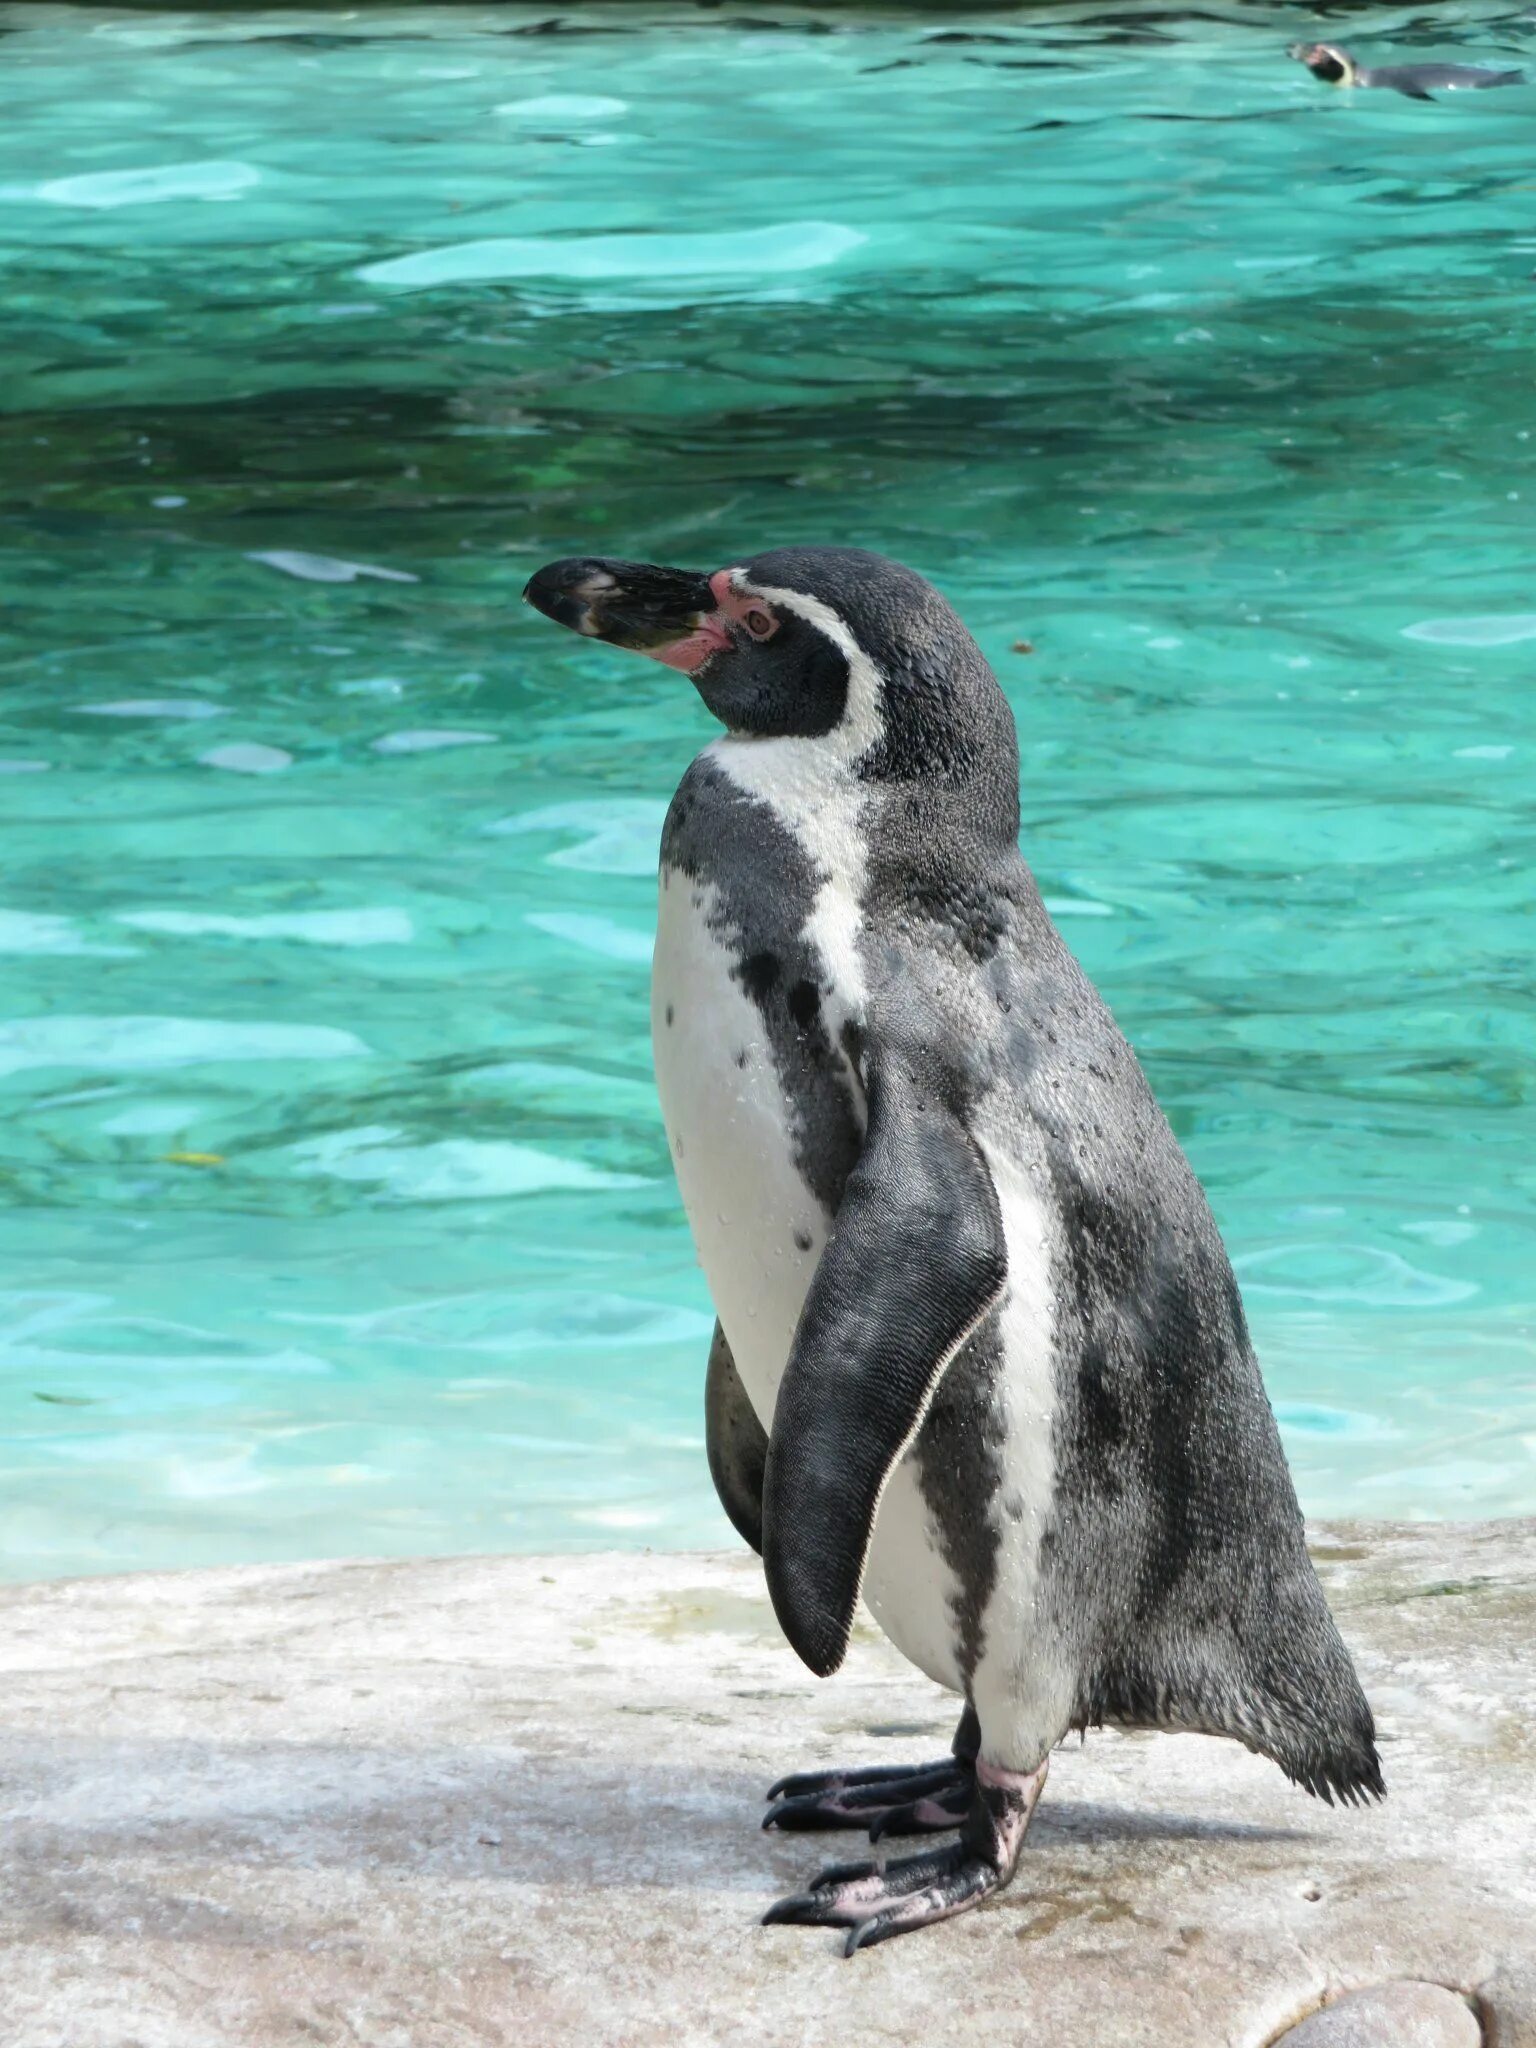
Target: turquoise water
column 337, row 1210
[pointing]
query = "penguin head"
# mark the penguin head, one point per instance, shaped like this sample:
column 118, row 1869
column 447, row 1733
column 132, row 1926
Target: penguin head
column 1334, row 66
column 816, row 643
column 761, row 665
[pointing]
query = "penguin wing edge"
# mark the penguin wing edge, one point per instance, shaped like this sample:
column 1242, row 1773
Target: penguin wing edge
column 736, row 1443
column 915, row 1263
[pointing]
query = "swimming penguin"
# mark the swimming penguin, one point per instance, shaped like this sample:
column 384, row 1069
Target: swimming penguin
column 980, row 1354
column 1335, row 66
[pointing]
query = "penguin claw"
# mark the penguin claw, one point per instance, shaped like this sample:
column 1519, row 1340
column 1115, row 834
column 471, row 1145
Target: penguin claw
column 799, row 1910
column 796, row 1815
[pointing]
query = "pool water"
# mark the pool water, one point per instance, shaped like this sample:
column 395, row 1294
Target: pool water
column 338, row 1216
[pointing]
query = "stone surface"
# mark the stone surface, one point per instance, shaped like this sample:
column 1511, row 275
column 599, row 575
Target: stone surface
column 1508, row 2001
column 492, row 1800
column 1400, row 2015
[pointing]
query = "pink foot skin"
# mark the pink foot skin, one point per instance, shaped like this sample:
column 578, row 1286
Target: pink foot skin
column 875, row 1903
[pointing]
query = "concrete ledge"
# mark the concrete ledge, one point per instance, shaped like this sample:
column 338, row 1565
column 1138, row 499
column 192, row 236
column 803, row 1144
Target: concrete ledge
column 493, row 1800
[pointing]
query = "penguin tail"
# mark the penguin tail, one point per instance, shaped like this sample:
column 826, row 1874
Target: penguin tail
column 1313, row 1719
column 1276, row 1678
column 1348, row 1771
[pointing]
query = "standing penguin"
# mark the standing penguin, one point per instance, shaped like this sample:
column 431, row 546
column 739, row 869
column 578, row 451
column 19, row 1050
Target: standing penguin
column 980, row 1355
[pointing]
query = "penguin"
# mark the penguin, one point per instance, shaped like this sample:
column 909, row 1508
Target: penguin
column 1335, row 66
column 980, row 1356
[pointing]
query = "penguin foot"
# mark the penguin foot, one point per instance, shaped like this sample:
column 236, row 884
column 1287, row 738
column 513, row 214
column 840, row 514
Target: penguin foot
column 874, row 1903
column 901, row 1799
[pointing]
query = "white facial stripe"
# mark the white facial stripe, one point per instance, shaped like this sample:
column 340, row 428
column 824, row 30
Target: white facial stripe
column 862, row 722
column 810, row 784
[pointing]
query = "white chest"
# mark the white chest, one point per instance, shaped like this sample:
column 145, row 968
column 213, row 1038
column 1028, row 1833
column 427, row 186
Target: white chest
column 757, row 1228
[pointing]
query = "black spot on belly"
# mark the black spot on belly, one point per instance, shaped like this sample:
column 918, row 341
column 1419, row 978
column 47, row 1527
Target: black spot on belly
column 802, row 1240
column 669, row 1013
column 758, row 975
column 741, row 1057
column 853, row 1047
column 804, row 1004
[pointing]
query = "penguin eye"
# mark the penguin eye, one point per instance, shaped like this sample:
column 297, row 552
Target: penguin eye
column 758, row 622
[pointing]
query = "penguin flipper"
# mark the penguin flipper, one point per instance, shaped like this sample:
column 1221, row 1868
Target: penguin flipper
column 736, row 1443
column 915, row 1261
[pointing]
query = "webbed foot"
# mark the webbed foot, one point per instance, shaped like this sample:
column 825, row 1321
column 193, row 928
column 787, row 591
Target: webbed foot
column 884, row 1799
column 903, row 1799
column 912, row 1891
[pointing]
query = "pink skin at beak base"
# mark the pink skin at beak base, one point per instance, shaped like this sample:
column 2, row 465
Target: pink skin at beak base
column 711, row 635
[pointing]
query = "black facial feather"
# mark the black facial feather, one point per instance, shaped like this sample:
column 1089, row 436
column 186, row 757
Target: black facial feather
column 945, row 718
column 797, row 682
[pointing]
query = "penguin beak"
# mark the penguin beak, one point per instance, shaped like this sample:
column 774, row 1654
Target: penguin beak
column 670, row 615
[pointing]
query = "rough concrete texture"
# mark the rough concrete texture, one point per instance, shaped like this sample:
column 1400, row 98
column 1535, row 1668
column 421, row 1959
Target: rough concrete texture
column 493, row 1800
